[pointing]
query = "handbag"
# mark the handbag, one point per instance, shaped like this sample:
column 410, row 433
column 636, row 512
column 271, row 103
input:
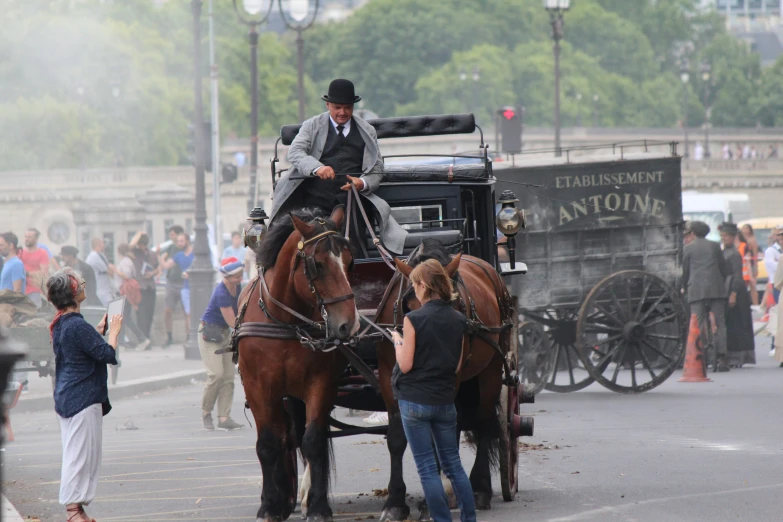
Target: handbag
column 212, row 333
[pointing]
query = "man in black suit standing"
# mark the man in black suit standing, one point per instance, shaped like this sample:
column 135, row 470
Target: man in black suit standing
column 704, row 279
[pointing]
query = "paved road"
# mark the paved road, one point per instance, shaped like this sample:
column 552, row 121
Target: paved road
column 683, row 452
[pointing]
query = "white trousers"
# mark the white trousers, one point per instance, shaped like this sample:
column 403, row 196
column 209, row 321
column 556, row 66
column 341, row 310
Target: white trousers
column 82, row 447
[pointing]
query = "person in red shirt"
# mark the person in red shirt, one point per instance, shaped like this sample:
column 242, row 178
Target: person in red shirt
column 36, row 265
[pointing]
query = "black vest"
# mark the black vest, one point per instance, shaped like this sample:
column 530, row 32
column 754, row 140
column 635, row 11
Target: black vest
column 432, row 380
column 345, row 154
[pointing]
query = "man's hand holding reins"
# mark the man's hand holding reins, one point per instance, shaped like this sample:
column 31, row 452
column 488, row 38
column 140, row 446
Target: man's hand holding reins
column 359, row 182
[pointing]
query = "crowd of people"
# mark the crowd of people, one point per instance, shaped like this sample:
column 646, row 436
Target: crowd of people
column 135, row 273
column 738, row 152
column 719, row 283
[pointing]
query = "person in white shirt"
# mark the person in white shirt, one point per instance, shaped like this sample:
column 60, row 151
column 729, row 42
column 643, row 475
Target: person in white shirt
column 237, row 249
column 104, row 271
column 772, row 257
column 698, row 152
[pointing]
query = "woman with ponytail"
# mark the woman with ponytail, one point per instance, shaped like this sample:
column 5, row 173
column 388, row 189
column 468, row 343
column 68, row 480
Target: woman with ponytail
column 424, row 380
column 80, row 395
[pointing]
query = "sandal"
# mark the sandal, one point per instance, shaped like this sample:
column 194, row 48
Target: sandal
column 79, row 510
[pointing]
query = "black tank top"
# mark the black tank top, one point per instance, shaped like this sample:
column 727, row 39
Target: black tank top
column 432, row 380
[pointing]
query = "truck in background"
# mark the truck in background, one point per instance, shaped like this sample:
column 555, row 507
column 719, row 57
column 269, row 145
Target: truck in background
column 714, row 208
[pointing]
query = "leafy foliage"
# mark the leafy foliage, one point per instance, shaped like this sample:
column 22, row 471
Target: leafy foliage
column 99, row 82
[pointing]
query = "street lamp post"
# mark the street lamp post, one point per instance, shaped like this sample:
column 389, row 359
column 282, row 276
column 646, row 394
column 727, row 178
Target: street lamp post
column 82, row 145
column 706, row 75
column 474, row 97
column 115, row 92
column 200, row 274
column 685, row 77
column 299, row 12
column 556, row 9
column 595, row 110
column 463, row 76
column 579, row 109
column 253, row 8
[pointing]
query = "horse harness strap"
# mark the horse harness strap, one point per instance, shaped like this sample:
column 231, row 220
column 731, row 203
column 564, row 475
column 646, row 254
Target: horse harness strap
column 354, row 201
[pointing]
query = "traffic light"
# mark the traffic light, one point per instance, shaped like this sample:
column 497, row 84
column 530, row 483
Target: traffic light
column 228, row 172
column 510, row 119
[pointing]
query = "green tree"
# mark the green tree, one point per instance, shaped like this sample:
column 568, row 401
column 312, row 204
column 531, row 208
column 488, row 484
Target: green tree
column 443, row 92
column 618, row 44
column 768, row 103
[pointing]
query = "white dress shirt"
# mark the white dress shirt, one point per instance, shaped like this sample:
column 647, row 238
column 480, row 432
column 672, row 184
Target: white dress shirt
column 772, row 258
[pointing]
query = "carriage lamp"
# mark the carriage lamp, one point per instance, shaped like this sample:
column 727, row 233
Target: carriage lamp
column 509, row 220
column 255, row 232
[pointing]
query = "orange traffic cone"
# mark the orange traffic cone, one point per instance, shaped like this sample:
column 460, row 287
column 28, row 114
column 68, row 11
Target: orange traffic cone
column 694, row 369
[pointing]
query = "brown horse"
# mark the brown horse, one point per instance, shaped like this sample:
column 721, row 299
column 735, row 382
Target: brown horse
column 483, row 299
column 303, row 266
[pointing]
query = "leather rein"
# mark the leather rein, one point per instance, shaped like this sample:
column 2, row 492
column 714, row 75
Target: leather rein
column 313, row 334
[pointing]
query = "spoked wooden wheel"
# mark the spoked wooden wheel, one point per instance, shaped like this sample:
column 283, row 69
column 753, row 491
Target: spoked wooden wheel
column 631, row 331
column 292, row 468
column 509, row 441
column 568, row 374
column 536, row 358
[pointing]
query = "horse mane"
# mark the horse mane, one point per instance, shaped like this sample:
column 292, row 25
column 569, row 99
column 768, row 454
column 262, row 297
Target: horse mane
column 431, row 249
column 282, row 229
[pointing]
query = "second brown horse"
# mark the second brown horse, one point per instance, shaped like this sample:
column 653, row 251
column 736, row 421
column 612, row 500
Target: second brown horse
column 484, row 300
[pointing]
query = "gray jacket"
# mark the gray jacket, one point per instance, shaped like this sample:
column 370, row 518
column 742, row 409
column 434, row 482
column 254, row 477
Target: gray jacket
column 704, row 270
column 304, row 154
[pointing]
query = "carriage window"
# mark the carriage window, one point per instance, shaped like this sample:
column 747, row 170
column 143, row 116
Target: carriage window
column 422, row 216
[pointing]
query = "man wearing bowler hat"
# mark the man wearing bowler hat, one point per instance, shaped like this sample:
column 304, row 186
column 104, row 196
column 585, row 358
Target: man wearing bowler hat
column 331, row 151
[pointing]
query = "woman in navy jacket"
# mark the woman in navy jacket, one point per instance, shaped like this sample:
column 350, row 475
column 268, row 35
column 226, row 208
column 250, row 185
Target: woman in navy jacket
column 81, row 396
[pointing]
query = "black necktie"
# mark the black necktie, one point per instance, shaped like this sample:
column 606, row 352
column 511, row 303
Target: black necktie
column 340, row 130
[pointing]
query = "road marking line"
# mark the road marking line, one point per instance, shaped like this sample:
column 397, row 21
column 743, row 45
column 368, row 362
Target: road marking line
column 153, row 463
column 151, row 472
column 614, row 509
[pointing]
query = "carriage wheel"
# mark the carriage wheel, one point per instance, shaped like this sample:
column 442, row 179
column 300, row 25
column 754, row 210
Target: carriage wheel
column 536, row 358
column 509, row 444
column 569, row 374
column 292, row 467
column 631, row 331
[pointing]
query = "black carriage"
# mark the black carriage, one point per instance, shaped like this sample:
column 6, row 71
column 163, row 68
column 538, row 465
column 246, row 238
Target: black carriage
column 453, row 200
column 603, row 248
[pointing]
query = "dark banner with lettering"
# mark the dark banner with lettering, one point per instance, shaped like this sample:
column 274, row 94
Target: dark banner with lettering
column 584, row 196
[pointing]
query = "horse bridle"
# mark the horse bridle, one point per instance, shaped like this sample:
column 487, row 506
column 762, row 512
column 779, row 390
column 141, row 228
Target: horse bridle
column 310, row 270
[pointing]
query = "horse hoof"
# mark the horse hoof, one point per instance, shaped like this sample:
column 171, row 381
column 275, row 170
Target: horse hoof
column 483, row 501
column 395, row 514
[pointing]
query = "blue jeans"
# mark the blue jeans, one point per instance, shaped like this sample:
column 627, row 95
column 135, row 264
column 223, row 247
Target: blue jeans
column 424, row 425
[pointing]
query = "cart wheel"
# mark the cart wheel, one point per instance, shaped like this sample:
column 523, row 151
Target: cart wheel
column 536, row 358
column 631, row 331
column 568, row 373
column 509, row 444
column 292, row 467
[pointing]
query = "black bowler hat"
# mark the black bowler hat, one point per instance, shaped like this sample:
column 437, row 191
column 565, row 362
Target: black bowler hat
column 729, row 228
column 69, row 250
column 341, row 91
